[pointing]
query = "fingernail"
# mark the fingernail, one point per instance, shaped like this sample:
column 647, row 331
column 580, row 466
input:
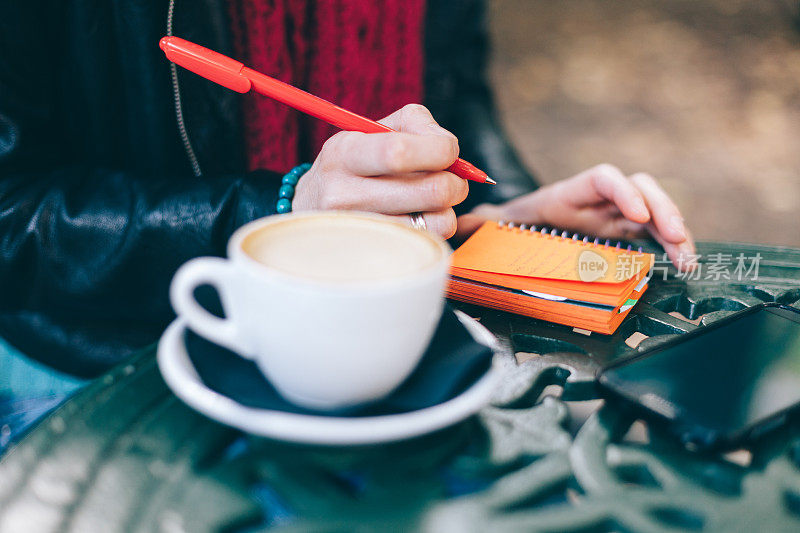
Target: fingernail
column 676, row 223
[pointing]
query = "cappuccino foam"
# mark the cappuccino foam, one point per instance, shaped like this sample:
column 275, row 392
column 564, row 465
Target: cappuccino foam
column 342, row 248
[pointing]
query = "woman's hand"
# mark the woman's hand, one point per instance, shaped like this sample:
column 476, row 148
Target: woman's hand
column 390, row 173
column 600, row 201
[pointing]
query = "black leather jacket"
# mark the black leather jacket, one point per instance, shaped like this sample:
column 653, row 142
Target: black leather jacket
column 98, row 202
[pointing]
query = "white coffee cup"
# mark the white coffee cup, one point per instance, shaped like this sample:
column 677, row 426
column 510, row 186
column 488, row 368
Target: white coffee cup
column 335, row 308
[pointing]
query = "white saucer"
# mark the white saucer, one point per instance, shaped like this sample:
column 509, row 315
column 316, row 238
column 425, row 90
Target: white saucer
column 180, row 375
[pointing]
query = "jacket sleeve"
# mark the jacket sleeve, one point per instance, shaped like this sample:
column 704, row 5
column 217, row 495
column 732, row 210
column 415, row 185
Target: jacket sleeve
column 88, row 247
column 459, row 96
column 88, row 253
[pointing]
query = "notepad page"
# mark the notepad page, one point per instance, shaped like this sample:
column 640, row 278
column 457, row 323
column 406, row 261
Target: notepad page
column 504, row 250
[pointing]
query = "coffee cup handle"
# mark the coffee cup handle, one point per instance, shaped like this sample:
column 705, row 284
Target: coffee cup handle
column 217, row 273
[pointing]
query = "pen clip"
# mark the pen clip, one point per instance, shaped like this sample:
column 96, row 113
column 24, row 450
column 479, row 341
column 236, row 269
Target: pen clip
column 206, row 63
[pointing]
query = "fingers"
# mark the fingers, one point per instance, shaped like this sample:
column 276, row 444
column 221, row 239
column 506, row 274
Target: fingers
column 416, row 119
column 640, row 199
column 667, row 225
column 442, row 223
column 620, row 227
column 408, row 167
column 680, row 253
column 602, row 201
column 429, row 191
column 606, row 183
column 391, row 173
column 380, row 154
column 665, row 214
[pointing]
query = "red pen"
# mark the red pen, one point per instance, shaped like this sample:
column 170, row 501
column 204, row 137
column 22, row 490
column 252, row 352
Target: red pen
column 235, row 76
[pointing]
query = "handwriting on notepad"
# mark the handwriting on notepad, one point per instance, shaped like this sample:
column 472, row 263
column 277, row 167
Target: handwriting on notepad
column 544, row 262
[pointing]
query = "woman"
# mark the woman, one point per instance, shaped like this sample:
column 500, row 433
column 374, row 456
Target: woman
column 114, row 169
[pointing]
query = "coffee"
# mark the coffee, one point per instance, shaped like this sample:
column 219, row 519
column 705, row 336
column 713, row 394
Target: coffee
column 342, row 248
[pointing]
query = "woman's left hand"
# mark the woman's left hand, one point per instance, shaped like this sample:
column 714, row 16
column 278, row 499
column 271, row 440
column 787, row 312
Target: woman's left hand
column 600, row 201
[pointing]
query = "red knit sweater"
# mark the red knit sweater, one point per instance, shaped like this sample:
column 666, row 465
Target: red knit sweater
column 364, row 55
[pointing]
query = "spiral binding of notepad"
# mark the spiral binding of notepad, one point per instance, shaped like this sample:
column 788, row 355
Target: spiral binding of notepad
column 546, row 231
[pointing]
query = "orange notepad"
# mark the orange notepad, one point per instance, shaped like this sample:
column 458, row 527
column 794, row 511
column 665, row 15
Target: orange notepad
column 551, row 275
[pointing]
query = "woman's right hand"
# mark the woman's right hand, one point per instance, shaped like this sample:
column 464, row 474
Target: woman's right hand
column 393, row 173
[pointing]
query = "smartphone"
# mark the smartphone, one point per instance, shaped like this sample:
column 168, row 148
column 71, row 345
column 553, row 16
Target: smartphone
column 719, row 385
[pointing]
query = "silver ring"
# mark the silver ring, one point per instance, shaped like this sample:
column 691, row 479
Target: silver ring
column 418, row 221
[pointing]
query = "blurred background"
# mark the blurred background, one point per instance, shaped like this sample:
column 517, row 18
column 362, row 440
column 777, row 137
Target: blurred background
column 702, row 94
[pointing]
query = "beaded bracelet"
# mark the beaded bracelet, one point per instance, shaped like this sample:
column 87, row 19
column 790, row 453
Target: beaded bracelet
column 288, row 183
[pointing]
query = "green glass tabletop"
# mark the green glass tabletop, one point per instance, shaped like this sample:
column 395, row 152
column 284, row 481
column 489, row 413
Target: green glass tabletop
column 126, row 455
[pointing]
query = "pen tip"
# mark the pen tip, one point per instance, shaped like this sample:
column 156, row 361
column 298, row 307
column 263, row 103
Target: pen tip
column 490, row 181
